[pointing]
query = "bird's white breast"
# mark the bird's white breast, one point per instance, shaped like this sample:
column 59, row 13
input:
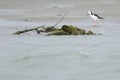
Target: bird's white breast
column 94, row 17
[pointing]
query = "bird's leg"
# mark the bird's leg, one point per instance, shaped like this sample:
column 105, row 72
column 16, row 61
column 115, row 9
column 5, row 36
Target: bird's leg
column 95, row 24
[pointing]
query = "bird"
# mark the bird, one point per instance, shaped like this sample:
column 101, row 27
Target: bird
column 95, row 17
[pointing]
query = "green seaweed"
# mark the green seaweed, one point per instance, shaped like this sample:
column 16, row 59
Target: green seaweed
column 70, row 29
column 67, row 30
column 58, row 32
column 90, row 33
column 82, row 31
column 74, row 30
column 50, row 29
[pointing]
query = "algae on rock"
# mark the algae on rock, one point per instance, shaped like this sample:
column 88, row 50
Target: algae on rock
column 90, row 33
column 64, row 30
column 59, row 32
column 50, row 29
column 68, row 30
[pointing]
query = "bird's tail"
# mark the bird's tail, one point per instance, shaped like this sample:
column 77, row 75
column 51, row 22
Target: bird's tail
column 101, row 17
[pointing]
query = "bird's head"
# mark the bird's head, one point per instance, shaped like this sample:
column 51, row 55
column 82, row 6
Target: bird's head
column 89, row 12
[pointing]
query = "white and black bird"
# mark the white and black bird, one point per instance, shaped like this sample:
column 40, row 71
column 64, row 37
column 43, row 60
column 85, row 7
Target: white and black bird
column 95, row 17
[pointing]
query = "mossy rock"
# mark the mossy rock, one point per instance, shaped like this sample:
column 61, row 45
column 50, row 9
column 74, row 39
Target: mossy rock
column 82, row 31
column 59, row 32
column 67, row 30
column 74, row 30
column 70, row 29
column 50, row 29
column 90, row 33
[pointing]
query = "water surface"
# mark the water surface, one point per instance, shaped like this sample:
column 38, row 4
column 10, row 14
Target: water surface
column 37, row 57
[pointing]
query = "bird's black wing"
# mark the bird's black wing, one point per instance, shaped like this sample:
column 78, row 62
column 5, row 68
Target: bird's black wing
column 98, row 16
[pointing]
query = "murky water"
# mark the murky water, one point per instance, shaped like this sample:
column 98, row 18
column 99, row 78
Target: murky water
column 37, row 57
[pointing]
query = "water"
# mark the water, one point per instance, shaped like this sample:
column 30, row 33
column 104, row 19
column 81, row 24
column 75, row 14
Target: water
column 63, row 57
column 37, row 57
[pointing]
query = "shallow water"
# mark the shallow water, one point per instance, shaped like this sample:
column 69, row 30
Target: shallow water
column 31, row 56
